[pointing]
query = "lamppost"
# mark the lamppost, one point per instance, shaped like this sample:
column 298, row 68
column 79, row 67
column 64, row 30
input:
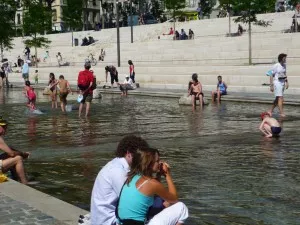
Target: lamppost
column 118, row 34
column 131, row 21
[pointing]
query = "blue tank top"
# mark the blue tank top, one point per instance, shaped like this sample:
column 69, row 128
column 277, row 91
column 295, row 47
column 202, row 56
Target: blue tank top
column 133, row 204
column 222, row 87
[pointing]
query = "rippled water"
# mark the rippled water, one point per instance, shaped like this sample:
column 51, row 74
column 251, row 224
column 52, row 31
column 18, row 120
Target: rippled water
column 225, row 171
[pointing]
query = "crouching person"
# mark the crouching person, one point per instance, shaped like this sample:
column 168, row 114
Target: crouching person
column 127, row 85
column 11, row 159
column 139, row 190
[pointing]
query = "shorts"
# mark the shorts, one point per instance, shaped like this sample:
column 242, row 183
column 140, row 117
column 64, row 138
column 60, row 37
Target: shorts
column 0, row 165
column 278, row 88
column 196, row 93
column 63, row 96
column 276, row 130
column 114, row 78
column 87, row 98
column 25, row 76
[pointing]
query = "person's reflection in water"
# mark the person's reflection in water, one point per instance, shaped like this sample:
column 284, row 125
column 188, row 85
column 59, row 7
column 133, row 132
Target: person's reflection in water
column 88, row 133
column 195, row 123
column 31, row 125
column 2, row 96
column 63, row 132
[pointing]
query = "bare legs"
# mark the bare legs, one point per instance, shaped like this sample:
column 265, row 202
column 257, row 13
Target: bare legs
column 194, row 99
column 278, row 102
column 87, row 108
column 54, row 100
column 63, row 106
column 16, row 161
column 213, row 94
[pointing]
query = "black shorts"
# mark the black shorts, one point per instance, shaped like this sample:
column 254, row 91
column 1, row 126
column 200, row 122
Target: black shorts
column 114, row 77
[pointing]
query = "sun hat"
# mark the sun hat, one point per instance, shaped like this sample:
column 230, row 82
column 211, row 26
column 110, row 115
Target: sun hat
column 126, row 75
column 3, row 122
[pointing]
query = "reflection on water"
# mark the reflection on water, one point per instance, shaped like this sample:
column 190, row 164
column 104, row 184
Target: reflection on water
column 226, row 172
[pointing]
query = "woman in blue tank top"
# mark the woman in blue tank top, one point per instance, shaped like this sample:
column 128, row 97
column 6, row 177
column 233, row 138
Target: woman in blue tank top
column 138, row 192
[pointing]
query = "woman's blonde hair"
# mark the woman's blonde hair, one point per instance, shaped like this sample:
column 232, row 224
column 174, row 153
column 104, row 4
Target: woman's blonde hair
column 142, row 163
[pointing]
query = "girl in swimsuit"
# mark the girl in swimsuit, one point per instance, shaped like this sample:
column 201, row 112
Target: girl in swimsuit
column 53, row 90
column 30, row 94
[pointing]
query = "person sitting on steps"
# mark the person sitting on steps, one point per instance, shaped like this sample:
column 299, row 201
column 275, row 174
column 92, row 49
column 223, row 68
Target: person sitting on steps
column 221, row 90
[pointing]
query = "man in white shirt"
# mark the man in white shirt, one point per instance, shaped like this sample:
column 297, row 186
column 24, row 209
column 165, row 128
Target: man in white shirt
column 279, row 82
column 110, row 180
column 127, row 85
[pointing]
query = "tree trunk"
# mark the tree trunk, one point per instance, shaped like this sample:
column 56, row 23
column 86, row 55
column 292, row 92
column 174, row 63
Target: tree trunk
column 1, row 52
column 229, row 18
column 72, row 37
column 35, row 52
column 174, row 23
column 250, row 45
column 101, row 14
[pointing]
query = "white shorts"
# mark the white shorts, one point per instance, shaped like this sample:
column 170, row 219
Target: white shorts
column 0, row 165
column 278, row 88
column 172, row 215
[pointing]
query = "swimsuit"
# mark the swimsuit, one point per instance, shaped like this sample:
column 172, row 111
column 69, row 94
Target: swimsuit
column 222, row 88
column 276, row 130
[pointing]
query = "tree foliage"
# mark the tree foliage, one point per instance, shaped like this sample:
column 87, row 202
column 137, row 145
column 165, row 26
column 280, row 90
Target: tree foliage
column 207, row 6
column 7, row 12
column 175, row 5
column 36, row 21
column 156, row 10
column 72, row 14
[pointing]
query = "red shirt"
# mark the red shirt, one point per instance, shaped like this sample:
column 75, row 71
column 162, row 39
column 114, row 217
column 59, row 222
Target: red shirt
column 90, row 78
column 131, row 69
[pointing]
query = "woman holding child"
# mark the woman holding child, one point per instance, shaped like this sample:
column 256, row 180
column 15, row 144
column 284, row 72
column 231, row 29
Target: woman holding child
column 140, row 189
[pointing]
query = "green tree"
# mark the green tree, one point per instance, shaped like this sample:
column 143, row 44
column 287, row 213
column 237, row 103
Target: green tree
column 7, row 12
column 156, row 10
column 174, row 7
column 248, row 10
column 207, row 6
column 35, row 22
column 72, row 15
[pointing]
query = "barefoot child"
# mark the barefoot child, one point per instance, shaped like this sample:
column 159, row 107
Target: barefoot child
column 64, row 89
column 269, row 126
column 195, row 90
column 221, row 90
column 30, row 94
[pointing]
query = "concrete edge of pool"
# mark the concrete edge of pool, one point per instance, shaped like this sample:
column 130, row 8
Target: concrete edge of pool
column 37, row 205
column 231, row 97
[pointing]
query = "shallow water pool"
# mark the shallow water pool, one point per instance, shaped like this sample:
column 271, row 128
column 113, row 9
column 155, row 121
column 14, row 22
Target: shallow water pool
column 225, row 170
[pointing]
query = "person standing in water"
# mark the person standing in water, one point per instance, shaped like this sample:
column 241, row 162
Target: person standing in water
column 279, row 82
column 53, row 90
column 64, row 90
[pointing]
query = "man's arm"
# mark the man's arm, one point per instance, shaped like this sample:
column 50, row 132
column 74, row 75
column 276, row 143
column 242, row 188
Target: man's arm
column 271, row 84
column 225, row 85
column 106, row 73
column 4, row 147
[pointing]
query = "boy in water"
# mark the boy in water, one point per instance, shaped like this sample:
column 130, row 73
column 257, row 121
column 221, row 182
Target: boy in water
column 64, row 89
column 221, row 90
column 195, row 90
column 36, row 77
column 30, row 94
column 269, row 126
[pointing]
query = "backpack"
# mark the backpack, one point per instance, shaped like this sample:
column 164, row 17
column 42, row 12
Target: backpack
column 31, row 94
column 83, row 81
column 94, row 85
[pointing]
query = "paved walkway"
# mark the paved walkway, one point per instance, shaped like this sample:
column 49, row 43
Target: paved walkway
column 21, row 204
column 14, row 212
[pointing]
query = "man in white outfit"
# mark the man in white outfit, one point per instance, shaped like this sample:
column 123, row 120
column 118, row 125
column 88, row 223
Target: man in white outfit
column 279, row 82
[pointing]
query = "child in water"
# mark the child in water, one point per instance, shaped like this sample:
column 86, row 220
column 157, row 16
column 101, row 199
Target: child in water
column 269, row 126
column 36, row 77
column 30, row 94
column 195, row 90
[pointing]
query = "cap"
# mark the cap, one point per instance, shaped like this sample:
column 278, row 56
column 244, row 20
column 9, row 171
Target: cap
column 3, row 122
column 126, row 76
column 262, row 115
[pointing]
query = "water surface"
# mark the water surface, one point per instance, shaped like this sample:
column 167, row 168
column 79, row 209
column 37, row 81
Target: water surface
column 225, row 170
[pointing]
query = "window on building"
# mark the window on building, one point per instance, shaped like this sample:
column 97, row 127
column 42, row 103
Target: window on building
column 94, row 3
column 94, row 17
column 54, row 15
column 18, row 19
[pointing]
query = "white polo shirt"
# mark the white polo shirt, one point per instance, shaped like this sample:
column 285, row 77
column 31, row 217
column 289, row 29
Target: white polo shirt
column 278, row 69
column 106, row 190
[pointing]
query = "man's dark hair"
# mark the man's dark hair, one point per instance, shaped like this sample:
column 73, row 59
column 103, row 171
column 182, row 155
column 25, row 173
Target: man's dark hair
column 61, row 77
column 281, row 56
column 107, row 68
column 130, row 143
column 130, row 62
column 87, row 65
column 27, row 83
column 195, row 77
column 219, row 76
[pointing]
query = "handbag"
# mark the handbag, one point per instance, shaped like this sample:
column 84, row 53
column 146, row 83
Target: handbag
column 79, row 98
